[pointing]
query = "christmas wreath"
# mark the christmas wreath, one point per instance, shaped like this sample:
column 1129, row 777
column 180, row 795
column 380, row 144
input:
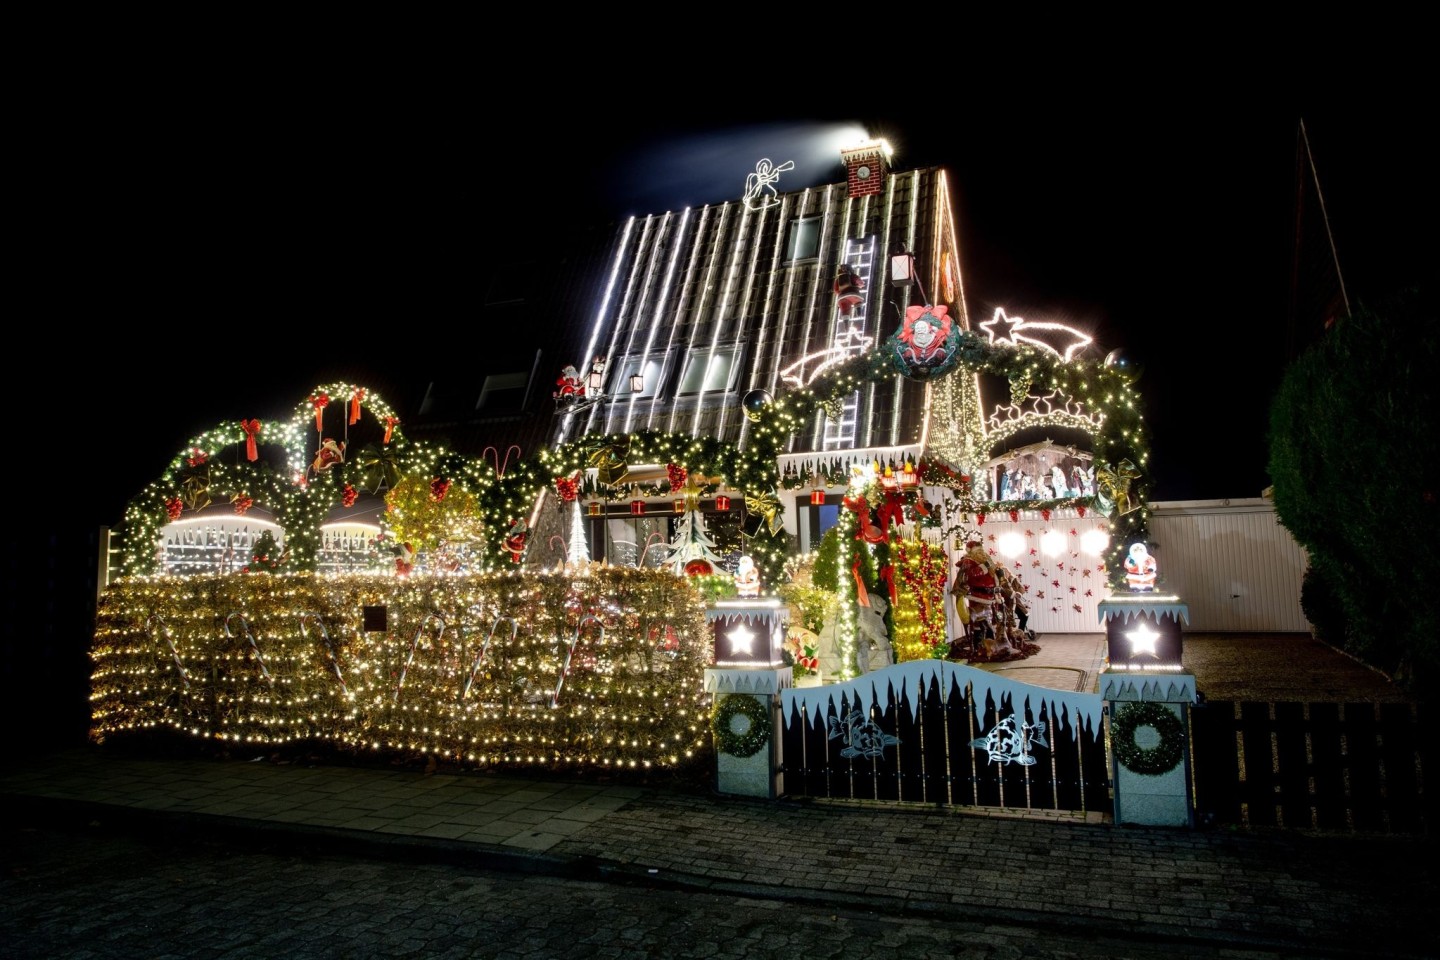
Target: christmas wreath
column 1152, row 761
column 755, row 735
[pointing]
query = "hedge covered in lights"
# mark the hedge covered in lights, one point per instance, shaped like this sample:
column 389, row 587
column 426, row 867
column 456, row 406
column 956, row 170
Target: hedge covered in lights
column 468, row 668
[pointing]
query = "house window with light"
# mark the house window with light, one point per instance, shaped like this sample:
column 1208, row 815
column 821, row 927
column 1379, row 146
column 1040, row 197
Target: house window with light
column 804, row 241
column 650, row 370
column 711, row 371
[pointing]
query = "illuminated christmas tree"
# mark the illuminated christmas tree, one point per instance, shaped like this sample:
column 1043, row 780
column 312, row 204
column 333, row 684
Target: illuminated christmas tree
column 692, row 547
column 577, row 552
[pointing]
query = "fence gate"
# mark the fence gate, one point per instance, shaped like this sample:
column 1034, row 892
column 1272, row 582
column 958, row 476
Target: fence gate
column 931, row 731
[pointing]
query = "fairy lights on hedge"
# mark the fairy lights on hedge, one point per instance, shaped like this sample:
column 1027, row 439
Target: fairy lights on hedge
column 632, row 697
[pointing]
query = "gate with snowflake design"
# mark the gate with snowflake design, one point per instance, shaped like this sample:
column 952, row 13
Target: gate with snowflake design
column 931, row 731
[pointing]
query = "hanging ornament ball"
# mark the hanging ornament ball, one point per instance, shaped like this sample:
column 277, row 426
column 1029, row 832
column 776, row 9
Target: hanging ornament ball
column 699, row 568
column 1123, row 362
column 755, row 403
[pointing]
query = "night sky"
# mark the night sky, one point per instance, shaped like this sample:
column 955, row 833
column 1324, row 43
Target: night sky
column 231, row 247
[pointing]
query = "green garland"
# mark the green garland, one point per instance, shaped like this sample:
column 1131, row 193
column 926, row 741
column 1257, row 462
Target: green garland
column 755, row 737
column 1161, row 758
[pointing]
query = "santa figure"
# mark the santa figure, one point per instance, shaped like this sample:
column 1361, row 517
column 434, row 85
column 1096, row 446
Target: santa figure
column 1140, row 568
column 747, row 578
column 848, row 285
column 330, row 453
column 515, row 542
column 570, row 385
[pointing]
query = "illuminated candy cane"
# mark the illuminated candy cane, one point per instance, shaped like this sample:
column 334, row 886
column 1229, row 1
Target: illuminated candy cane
column 485, row 648
column 245, row 625
column 329, row 647
column 640, row 561
column 570, row 652
column 151, row 623
column 414, row 644
column 564, row 550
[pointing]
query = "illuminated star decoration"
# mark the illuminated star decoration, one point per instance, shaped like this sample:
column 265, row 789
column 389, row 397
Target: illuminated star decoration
column 846, row 345
column 1142, row 640
column 742, row 640
column 1015, row 330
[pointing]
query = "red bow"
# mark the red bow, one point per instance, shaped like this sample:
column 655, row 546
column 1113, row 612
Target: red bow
column 390, row 427
column 251, row 428
column 355, row 399
column 320, row 402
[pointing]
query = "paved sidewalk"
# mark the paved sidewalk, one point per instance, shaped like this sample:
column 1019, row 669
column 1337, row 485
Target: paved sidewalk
column 1315, row 895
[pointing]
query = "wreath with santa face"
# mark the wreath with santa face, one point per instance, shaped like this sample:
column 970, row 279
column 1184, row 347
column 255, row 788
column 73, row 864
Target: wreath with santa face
column 926, row 345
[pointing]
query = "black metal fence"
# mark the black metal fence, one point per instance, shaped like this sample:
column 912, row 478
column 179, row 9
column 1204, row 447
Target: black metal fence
column 917, row 738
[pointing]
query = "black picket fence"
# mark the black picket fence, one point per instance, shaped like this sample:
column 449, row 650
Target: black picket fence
column 1357, row 767
column 1040, row 757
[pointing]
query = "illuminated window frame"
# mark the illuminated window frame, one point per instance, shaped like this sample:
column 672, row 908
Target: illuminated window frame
column 726, row 353
column 653, row 369
column 802, row 244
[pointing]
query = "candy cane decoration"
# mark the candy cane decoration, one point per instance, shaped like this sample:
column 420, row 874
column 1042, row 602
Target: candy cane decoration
column 500, row 467
column 414, row 644
column 245, row 625
column 329, row 647
column 564, row 549
column 153, row 621
column 485, row 648
column 640, row 560
column 570, row 652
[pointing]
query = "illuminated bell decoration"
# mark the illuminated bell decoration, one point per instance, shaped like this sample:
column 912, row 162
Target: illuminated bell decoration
column 637, row 508
column 699, row 568
column 594, row 508
column 817, row 497
column 680, row 505
column 722, row 503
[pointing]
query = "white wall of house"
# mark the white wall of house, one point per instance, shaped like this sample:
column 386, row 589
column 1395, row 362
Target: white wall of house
column 1232, row 562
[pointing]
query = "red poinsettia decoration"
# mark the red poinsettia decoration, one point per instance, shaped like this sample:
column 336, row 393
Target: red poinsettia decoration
column 348, row 496
column 677, row 476
column 438, row 488
column 174, row 507
column 197, row 457
column 242, row 504
column 1014, row 516
column 567, row 487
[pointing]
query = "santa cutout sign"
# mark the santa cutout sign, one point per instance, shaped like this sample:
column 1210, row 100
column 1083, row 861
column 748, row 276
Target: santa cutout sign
column 926, row 345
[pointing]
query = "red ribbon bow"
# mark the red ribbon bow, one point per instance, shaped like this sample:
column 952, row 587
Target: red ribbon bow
column 389, row 427
column 252, row 429
column 355, row 399
column 320, row 402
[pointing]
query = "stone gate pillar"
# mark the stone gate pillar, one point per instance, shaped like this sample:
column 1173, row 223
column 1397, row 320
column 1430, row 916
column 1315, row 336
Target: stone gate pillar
column 746, row 681
column 1148, row 696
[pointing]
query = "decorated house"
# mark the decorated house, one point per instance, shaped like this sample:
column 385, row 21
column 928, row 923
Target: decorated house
column 779, row 396
column 790, row 362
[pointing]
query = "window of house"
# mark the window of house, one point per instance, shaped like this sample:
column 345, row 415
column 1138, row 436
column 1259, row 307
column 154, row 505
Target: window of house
column 503, row 393
column 711, row 371
column 651, row 370
column 804, row 241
